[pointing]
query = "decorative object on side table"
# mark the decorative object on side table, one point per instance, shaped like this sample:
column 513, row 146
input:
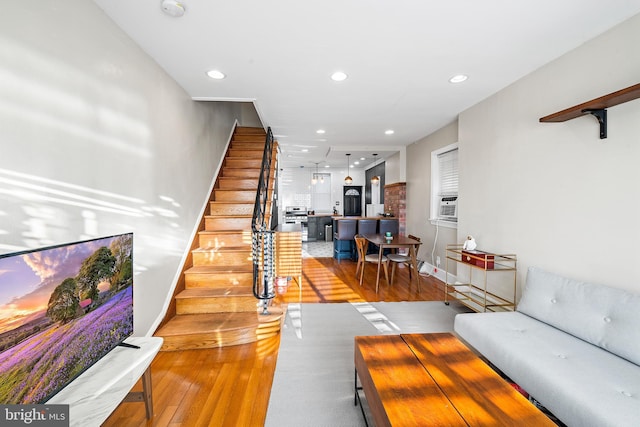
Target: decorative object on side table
column 469, row 244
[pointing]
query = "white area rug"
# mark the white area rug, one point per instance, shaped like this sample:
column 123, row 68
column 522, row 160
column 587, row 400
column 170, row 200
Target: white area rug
column 314, row 380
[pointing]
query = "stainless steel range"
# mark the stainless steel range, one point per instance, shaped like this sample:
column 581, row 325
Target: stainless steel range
column 295, row 215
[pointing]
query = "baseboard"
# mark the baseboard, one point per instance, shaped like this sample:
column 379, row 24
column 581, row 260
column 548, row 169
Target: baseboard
column 438, row 273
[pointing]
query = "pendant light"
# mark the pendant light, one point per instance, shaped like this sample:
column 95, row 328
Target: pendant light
column 348, row 180
column 375, row 180
column 314, row 180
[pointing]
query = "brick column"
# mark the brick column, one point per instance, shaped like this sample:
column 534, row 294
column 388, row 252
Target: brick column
column 395, row 201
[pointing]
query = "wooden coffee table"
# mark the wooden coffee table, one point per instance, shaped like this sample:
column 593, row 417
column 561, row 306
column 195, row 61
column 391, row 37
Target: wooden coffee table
column 435, row 380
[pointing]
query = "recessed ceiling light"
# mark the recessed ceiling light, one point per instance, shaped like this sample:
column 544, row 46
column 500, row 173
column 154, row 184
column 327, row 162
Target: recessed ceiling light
column 338, row 76
column 458, row 78
column 361, row 158
column 320, row 131
column 305, row 150
column 389, row 132
column 327, row 166
column 356, row 162
column 215, row 74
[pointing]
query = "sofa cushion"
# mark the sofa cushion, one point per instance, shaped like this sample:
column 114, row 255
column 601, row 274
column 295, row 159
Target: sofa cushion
column 604, row 316
column 580, row 383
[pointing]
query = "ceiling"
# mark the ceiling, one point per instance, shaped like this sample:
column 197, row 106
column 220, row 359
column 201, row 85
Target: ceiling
column 398, row 56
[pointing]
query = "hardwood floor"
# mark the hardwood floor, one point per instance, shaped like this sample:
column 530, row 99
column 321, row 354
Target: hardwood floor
column 231, row 386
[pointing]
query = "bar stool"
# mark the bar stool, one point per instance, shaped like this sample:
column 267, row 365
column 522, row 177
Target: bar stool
column 390, row 225
column 368, row 226
column 343, row 243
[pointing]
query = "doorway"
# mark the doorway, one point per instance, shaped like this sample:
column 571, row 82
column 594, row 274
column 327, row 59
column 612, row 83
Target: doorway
column 352, row 200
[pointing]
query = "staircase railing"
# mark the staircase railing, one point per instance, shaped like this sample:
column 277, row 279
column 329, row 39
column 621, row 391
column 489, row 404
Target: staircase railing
column 262, row 237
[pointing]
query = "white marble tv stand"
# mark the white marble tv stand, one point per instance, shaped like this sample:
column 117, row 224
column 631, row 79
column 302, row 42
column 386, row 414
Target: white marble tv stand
column 96, row 393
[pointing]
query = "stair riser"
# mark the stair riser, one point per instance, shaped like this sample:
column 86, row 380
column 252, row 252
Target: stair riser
column 222, row 280
column 222, row 258
column 238, row 183
column 240, row 173
column 234, row 183
column 234, row 196
column 209, row 340
column 247, row 145
column 232, row 208
column 212, row 223
column 245, row 153
column 216, row 240
column 242, row 163
column 248, row 137
column 216, row 305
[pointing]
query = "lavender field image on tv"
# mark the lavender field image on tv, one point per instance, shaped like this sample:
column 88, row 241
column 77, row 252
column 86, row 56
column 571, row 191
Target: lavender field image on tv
column 62, row 308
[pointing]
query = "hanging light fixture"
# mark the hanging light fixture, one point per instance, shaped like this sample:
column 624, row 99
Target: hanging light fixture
column 375, row 180
column 314, row 179
column 348, row 180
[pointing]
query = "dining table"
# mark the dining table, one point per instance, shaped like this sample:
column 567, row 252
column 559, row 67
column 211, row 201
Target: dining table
column 382, row 241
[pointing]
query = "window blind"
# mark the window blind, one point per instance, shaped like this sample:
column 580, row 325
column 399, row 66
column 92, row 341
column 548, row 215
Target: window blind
column 448, row 172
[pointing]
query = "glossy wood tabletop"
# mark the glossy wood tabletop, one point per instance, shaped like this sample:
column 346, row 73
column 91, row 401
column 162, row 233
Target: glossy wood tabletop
column 478, row 393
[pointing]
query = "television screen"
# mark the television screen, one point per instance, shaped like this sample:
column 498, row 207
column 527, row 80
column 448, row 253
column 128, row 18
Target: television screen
column 62, row 308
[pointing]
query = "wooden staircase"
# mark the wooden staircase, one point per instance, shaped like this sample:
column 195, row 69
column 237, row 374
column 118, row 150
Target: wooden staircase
column 215, row 307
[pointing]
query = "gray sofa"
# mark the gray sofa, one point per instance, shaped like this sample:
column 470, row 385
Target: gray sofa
column 573, row 346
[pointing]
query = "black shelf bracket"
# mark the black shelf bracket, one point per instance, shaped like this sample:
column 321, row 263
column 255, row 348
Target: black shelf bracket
column 601, row 115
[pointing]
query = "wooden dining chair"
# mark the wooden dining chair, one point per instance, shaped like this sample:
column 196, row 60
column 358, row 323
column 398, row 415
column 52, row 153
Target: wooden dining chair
column 396, row 259
column 363, row 258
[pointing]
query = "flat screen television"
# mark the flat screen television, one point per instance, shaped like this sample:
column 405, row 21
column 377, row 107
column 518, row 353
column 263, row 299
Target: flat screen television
column 62, row 308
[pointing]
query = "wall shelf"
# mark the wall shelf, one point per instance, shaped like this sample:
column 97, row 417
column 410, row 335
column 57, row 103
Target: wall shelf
column 596, row 107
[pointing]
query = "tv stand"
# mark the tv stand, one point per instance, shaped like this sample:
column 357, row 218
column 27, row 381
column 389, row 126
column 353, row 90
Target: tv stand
column 98, row 391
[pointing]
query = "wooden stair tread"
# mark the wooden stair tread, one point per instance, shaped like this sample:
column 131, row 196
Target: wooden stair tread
column 186, row 324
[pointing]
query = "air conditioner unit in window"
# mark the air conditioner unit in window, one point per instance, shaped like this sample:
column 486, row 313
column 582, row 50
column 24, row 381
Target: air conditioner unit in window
column 448, row 209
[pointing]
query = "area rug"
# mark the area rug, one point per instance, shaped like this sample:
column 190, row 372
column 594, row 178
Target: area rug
column 313, row 383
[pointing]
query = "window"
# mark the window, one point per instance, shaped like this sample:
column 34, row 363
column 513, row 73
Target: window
column 321, row 193
column 444, row 185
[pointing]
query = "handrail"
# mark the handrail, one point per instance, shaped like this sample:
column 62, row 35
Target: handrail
column 262, row 236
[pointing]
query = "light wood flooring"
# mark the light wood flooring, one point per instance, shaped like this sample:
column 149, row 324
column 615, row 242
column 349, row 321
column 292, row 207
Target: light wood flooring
column 230, row 386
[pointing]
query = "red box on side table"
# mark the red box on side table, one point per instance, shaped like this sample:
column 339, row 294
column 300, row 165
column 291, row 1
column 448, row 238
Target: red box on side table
column 479, row 259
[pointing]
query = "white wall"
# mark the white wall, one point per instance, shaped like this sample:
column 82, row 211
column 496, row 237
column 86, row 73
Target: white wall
column 97, row 140
column 392, row 169
column 419, row 195
column 295, row 187
column 554, row 193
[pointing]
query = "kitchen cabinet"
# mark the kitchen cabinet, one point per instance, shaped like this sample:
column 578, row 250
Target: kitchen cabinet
column 316, row 225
